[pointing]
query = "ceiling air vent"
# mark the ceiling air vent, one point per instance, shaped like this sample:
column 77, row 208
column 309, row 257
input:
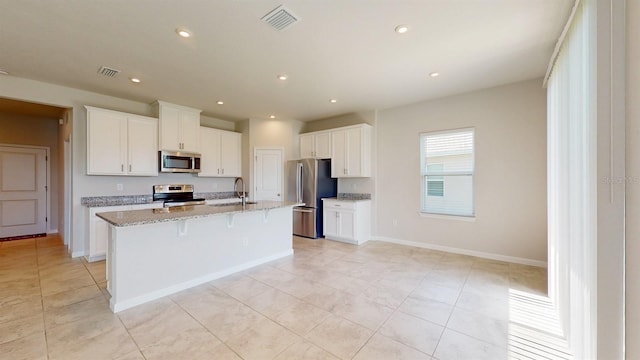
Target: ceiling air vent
column 108, row 71
column 280, row 18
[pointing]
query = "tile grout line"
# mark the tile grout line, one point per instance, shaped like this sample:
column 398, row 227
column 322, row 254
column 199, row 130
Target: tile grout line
column 44, row 324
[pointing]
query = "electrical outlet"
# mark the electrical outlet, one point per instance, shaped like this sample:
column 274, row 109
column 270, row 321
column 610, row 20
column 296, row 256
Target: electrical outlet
column 119, row 187
column 245, row 241
column 395, row 222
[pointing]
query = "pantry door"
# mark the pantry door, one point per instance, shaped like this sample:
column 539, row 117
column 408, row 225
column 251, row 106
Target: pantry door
column 268, row 174
column 23, row 191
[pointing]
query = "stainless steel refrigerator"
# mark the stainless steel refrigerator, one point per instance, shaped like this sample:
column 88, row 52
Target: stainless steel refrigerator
column 308, row 181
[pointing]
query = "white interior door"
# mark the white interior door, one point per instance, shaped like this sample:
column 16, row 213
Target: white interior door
column 268, row 174
column 23, row 193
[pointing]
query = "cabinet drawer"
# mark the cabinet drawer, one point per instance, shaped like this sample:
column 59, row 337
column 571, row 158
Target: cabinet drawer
column 347, row 205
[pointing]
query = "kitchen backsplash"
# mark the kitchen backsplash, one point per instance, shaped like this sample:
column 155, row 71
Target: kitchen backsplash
column 96, row 201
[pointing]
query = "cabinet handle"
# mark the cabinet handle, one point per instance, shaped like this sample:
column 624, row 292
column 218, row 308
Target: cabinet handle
column 129, row 167
column 122, row 167
column 218, row 171
column 222, row 171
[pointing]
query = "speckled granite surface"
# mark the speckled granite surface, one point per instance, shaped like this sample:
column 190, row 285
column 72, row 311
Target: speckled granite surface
column 97, row 201
column 150, row 216
column 354, row 196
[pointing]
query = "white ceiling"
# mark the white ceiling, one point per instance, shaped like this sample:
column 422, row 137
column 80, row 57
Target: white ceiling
column 342, row 49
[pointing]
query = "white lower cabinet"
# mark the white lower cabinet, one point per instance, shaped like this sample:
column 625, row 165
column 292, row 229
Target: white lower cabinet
column 99, row 229
column 347, row 220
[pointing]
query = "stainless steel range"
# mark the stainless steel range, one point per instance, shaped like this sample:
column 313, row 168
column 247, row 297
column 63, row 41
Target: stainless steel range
column 176, row 195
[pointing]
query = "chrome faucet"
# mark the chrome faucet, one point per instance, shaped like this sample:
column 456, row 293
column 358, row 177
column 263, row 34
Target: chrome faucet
column 243, row 195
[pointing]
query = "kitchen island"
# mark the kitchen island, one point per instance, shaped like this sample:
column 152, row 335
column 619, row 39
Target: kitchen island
column 152, row 253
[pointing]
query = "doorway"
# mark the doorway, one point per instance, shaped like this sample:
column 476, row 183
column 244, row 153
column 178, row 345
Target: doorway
column 32, row 125
column 268, row 173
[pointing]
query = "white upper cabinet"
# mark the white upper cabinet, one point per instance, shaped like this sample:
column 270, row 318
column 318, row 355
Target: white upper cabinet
column 231, row 153
column 121, row 144
column 220, row 153
column 142, row 146
column 351, row 151
column 179, row 127
column 307, row 145
column 315, row 145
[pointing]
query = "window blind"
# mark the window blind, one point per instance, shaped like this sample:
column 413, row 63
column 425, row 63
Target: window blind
column 447, row 166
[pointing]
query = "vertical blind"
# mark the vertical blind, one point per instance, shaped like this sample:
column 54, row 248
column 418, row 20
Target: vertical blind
column 447, row 165
column 571, row 180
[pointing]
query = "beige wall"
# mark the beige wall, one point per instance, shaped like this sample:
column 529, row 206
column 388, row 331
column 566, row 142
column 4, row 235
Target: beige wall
column 270, row 133
column 217, row 123
column 510, row 172
column 365, row 117
column 37, row 131
column 632, row 251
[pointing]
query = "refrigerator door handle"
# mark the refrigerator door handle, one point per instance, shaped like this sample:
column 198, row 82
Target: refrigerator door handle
column 299, row 183
column 301, row 210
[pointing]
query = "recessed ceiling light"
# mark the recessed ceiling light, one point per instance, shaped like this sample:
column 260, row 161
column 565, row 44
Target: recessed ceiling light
column 272, row 116
column 282, row 77
column 401, row 29
column 434, row 74
column 333, row 101
column 135, row 80
column 183, row 32
column 220, row 102
column 4, row 72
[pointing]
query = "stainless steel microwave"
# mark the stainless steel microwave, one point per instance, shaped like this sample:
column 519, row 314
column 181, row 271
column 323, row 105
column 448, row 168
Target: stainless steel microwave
column 179, row 162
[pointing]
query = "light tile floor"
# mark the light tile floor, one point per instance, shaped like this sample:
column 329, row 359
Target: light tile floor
column 328, row 301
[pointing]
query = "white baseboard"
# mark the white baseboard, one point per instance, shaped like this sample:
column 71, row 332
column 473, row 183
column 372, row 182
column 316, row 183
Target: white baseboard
column 52, row 231
column 480, row 254
column 76, row 254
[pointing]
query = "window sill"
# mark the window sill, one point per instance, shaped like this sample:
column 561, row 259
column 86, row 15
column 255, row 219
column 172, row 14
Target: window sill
column 448, row 217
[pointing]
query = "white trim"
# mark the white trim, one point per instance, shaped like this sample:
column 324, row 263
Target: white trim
column 76, row 254
column 123, row 305
column 471, row 218
column 480, row 254
column 47, row 150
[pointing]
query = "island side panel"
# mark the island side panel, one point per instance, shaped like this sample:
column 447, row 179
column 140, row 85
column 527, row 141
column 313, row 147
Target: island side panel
column 149, row 261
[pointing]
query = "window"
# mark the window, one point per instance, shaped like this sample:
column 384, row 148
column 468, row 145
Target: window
column 435, row 183
column 446, row 167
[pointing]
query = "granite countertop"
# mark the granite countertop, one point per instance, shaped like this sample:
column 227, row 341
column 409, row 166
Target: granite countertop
column 150, row 216
column 351, row 197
